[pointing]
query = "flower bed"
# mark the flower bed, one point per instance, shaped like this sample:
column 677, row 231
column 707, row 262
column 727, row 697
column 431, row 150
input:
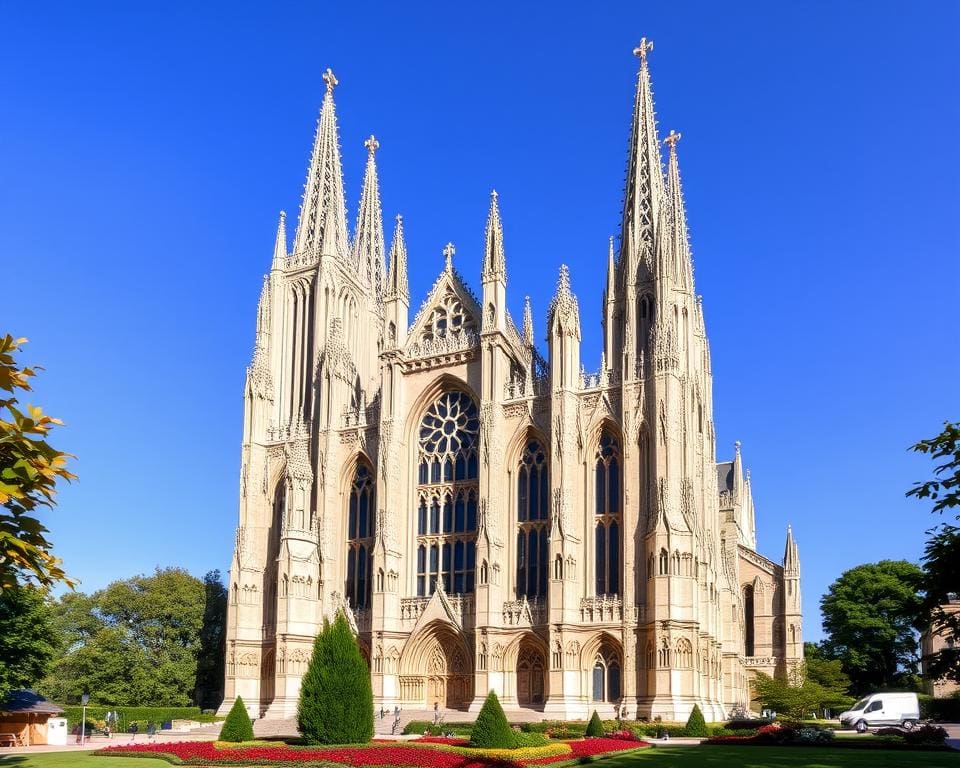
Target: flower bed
column 431, row 752
column 800, row 734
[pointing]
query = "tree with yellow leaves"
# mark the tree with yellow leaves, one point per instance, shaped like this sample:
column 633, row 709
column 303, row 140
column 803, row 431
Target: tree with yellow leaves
column 29, row 471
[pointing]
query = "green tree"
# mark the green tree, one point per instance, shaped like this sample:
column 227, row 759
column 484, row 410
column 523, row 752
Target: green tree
column 135, row 642
column 237, row 727
column 870, row 616
column 26, row 637
column 210, row 659
column 829, row 675
column 491, row 729
column 29, row 470
column 594, row 726
column 696, row 725
column 941, row 558
column 336, row 699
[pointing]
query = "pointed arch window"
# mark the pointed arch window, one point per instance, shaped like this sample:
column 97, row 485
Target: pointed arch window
column 360, row 525
column 748, row 622
column 447, row 495
column 533, row 513
column 607, row 519
column 605, row 679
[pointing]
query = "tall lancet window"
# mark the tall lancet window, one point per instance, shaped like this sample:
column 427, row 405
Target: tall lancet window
column 607, row 515
column 360, row 524
column 533, row 513
column 447, row 495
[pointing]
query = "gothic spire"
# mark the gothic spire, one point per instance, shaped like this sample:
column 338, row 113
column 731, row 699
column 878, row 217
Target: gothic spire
column 258, row 373
column 323, row 207
column 644, row 191
column 791, row 555
column 280, row 244
column 494, row 261
column 737, row 468
column 683, row 261
column 368, row 250
column 527, row 322
column 611, row 275
column 397, row 286
column 564, row 308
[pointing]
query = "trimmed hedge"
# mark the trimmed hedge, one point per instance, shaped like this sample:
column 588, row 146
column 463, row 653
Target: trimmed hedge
column 237, row 727
column 74, row 714
column 336, row 697
column 491, row 729
column 696, row 725
column 594, row 727
column 419, row 727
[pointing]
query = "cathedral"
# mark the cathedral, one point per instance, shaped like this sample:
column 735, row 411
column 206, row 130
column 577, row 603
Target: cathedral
column 489, row 515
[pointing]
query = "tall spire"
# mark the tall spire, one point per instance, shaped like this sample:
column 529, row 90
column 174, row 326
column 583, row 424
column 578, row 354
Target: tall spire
column 683, row 262
column 368, row 250
column 644, row 192
column 323, row 207
column 791, row 555
column 280, row 244
column 258, row 373
column 494, row 261
column 397, row 286
column 611, row 275
column 527, row 322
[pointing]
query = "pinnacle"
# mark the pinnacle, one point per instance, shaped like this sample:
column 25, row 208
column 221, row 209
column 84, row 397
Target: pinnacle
column 397, row 285
column 494, row 260
column 368, row 241
column 527, row 322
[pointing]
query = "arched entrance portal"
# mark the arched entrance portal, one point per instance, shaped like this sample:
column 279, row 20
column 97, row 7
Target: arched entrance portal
column 436, row 670
column 530, row 676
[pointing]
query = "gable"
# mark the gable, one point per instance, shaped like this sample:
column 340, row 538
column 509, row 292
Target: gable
column 450, row 315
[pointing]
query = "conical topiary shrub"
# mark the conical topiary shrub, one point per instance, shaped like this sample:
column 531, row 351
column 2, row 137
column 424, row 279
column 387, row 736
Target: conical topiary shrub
column 336, row 699
column 696, row 725
column 594, row 727
column 237, row 727
column 491, row 730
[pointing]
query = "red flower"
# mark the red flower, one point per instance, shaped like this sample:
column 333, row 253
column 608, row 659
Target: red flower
column 375, row 753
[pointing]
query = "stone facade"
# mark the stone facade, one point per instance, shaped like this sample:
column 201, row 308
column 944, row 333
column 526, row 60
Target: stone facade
column 487, row 517
column 933, row 640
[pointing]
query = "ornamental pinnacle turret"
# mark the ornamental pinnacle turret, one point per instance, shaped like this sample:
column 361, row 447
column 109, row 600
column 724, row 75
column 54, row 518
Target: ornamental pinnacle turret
column 490, row 515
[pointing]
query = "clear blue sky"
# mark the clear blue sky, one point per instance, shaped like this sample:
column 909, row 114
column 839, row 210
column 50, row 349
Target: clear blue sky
column 146, row 149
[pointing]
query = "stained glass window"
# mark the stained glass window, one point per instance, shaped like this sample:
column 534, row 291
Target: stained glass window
column 447, row 494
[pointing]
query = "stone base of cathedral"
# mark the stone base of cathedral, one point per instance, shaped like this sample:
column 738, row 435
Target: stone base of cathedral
column 281, row 707
column 676, row 709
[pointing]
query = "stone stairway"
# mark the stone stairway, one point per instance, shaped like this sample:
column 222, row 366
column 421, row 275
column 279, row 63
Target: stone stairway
column 385, row 726
column 278, row 728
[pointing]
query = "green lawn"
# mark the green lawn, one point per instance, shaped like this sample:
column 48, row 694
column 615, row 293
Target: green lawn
column 672, row 757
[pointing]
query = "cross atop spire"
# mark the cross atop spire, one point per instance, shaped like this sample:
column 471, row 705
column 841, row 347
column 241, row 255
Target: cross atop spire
column 448, row 251
column 640, row 51
column 672, row 139
column 372, row 144
column 330, row 79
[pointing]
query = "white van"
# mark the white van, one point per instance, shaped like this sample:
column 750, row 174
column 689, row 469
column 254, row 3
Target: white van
column 879, row 709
